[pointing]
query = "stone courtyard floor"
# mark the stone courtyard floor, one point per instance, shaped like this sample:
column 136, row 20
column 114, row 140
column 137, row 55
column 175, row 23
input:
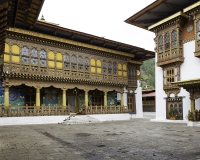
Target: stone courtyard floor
column 118, row 140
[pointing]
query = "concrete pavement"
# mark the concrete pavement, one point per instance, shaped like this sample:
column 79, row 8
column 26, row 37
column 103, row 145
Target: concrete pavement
column 116, row 140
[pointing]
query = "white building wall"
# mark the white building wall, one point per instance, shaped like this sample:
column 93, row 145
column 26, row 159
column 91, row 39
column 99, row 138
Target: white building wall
column 138, row 99
column 160, row 93
column 190, row 66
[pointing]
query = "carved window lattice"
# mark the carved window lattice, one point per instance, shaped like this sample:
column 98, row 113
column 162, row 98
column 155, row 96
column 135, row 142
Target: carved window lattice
column 25, row 55
column 174, row 38
column 160, row 44
column 109, row 67
column 43, row 58
column 132, row 76
column 80, row 63
column 87, row 64
column 170, row 75
column 167, row 41
column 114, row 68
column 198, row 34
column 104, row 67
column 66, row 61
column 73, row 62
column 34, row 56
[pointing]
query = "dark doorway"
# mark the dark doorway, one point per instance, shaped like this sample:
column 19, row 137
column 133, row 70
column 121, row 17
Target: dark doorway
column 29, row 95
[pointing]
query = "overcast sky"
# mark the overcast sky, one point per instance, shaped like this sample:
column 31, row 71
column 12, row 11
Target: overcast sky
column 103, row 18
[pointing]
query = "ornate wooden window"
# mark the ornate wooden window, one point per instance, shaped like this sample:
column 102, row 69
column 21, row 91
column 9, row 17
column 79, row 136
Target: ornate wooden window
column 93, row 65
column 120, row 73
column 174, row 38
column 43, row 58
column 198, row 35
column 167, row 41
column 104, row 67
column 170, row 76
column 172, row 50
column 7, row 53
column 109, row 67
column 15, row 54
column 66, row 61
column 73, row 62
column 132, row 76
column 80, row 63
column 160, row 44
column 87, row 64
column 124, row 70
column 34, row 56
column 115, row 68
column 51, row 59
column 24, row 55
column 98, row 66
column 59, row 63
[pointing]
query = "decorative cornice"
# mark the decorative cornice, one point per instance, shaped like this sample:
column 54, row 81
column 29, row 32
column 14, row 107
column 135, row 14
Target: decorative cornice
column 176, row 15
column 48, row 78
column 188, row 40
column 66, row 41
column 191, row 7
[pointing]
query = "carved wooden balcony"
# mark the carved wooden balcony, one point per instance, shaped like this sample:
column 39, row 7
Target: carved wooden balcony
column 176, row 55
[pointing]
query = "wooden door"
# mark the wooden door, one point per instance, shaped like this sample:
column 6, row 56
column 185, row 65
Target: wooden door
column 29, row 96
column 131, row 102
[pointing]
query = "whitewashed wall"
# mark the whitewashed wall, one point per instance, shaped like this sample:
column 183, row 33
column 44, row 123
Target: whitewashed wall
column 160, row 93
column 138, row 98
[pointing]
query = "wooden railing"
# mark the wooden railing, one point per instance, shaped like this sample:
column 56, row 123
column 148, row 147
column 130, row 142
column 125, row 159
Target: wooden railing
column 58, row 110
column 105, row 109
column 33, row 111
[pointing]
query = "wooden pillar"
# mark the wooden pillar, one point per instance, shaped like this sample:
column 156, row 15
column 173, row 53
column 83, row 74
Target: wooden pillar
column 64, row 98
column 6, row 97
column 37, row 97
column 86, row 98
column 105, row 98
column 122, row 99
column 192, row 101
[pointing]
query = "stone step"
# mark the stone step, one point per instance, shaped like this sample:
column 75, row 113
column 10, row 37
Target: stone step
column 80, row 119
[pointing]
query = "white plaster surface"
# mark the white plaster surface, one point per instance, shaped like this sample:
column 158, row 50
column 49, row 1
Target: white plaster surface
column 190, row 123
column 169, row 121
column 191, row 64
column 59, row 119
column 138, row 98
column 160, row 94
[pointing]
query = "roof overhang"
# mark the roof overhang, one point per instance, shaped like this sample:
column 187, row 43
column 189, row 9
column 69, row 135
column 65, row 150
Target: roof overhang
column 13, row 11
column 178, row 14
column 157, row 11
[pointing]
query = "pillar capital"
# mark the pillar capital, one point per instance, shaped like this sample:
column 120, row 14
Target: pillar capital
column 86, row 91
